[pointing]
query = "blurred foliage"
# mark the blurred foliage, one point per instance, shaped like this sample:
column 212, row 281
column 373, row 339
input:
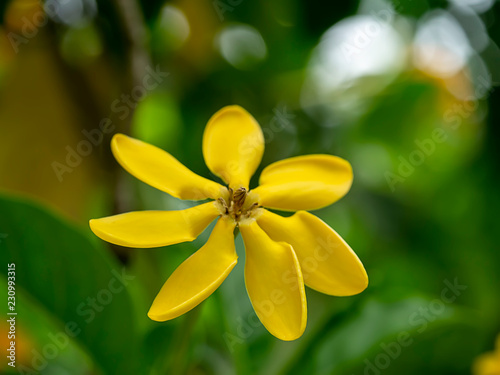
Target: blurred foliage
column 54, row 283
column 379, row 108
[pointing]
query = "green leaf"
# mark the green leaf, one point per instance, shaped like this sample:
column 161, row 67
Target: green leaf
column 72, row 279
column 42, row 342
column 385, row 327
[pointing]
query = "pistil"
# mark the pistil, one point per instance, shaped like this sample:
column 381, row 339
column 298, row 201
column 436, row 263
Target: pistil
column 240, row 204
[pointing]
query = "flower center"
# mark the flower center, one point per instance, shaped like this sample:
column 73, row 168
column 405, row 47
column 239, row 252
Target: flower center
column 239, row 204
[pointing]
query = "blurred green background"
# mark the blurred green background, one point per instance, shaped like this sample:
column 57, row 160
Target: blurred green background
column 404, row 90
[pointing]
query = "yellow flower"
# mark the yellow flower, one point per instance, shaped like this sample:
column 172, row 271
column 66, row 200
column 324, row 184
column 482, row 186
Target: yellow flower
column 281, row 253
column 488, row 363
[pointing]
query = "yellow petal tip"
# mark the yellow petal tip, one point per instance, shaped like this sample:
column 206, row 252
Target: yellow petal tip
column 356, row 289
column 155, row 317
column 162, row 315
column 291, row 337
column 117, row 137
column 233, row 145
column 92, row 225
column 232, row 107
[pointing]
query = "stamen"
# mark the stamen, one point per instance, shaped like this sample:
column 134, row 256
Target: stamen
column 239, row 197
column 237, row 205
column 223, row 203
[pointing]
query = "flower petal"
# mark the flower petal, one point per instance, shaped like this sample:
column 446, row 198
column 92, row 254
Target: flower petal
column 328, row 263
column 198, row 276
column 161, row 170
column 304, row 182
column 487, row 364
column 155, row 228
column 274, row 283
column 233, row 145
